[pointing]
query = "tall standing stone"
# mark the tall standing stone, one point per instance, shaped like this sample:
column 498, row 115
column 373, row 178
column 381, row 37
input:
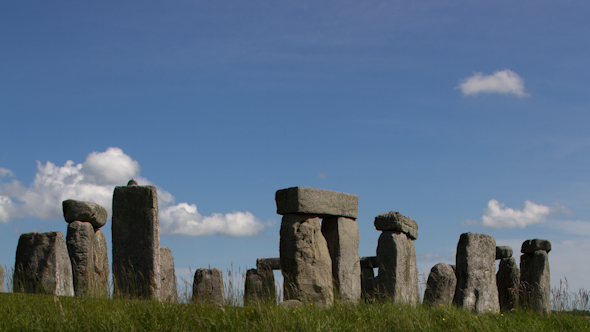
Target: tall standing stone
column 168, row 291
column 508, row 281
column 136, row 242
column 43, row 265
column 535, row 281
column 80, row 241
column 476, row 279
column 440, row 286
column 101, row 265
column 208, row 287
column 1, row 279
column 259, row 287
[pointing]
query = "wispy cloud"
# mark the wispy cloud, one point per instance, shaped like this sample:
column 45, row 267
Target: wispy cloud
column 496, row 215
column 504, row 81
column 94, row 180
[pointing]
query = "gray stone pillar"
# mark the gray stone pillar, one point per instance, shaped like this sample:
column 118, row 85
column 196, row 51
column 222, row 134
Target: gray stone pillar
column 80, row 241
column 101, row 265
column 1, row 279
column 259, row 287
column 476, row 279
column 368, row 286
column 43, row 265
column 208, row 287
column 168, row 291
column 136, row 242
column 508, row 280
column 440, row 286
column 535, row 281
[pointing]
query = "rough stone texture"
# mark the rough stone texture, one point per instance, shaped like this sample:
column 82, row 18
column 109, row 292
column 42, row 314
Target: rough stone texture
column 268, row 263
column 168, row 291
column 342, row 238
column 101, row 265
column 535, row 282
column 530, row 246
column 303, row 200
column 132, row 182
column 368, row 286
column 440, row 286
column 208, row 287
column 136, row 242
column 398, row 273
column 396, row 222
column 475, row 270
column 84, row 211
column 1, row 279
column 291, row 304
column 43, row 265
column 508, row 279
column 80, row 241
column 305, row 260
column 503, row 252
column 259, row 287
column 369, row 262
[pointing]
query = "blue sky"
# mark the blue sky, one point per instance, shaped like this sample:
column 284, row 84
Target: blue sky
column 463, row 115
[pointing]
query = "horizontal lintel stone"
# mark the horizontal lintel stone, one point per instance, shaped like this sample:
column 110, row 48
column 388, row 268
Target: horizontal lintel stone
column 320, row 202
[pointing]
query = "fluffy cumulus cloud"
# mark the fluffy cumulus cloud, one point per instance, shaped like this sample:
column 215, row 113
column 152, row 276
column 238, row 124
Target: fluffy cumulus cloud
column 496, row 215
column 94, row 180
column 504, row 81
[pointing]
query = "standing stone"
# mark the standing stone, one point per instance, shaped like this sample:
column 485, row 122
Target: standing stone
column 80, row 241
column 84, row 211
column 136, row 242
column 1, row 279
column 260, row 287
column 398, row 272
column 168, row 291
column 43, row 265
column 101, row 265
column 476, row 279
column 535, row 282
column 440, row 286
column 368, row 286
column 313, row 201
column 305, row 260
column 508, row 279
column 342, row 238
column 208, row 287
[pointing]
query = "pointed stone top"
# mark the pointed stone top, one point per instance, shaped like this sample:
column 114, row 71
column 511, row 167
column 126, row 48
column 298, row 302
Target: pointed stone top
column 395, row 221
column 132, row 182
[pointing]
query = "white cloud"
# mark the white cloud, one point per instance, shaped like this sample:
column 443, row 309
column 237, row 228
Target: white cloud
column 504, row 81
column 498, row 216
column 94, row 181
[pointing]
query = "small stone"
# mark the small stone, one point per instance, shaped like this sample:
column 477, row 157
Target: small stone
column 530, row 246
column 303, row 200
column 508, row 279
column 132, row 182
column 168, row 292
column 396, row 222
column 84, row 211
column 268, row 263
column 208, row 287
column 259, row 287
column 440, row 286
column 503, row 252
column 291, row 304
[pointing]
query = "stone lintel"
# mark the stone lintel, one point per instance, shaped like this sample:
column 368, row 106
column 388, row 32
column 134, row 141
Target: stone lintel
column 313, row 201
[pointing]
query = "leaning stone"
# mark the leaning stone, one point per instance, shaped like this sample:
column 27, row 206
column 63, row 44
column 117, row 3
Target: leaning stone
column 535, row 281
column 395, row 221
column 398, row 272
column 440, row 286
column 268, row 263
column 259, row 287
column 508, row 279
column 303, row 200
column 503, row 252
column 342, row 237
column 80, row 241
column 1, row 279
column 369, row 262
column 43, row 265
column 136, row 242
column 291, row 304
column 168, row 292
column 530, row 246
column 305, row 260
column 208, row 287
column 84, row 211
column 476, row 279
column 101, row 265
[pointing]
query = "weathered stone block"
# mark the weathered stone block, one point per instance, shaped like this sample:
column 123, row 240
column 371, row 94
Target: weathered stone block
column 259, row 287
column 84, row 211
column 396, row 222
column 503, row 252
column 508, row 280
column 342, row 238
column 43, row 265
column 476, row 279
column 303, row 200
column 208, row 287
column 305, row 260
column 535, row 281
column 136, row 242
column 398, row 272
column 530, row 246
column 101, row 265
column 369, row 262
column 1, row 279
column 368, row 284
column 168, row 291
column 268, row 263
column 80, row 241
column 440, row 286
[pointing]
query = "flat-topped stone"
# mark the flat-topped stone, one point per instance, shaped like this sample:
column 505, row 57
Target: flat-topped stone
column 396, row 222
column 84, row 211
column 273, row 263
column 320, row 202
column 503, row 252
column 530, row 246
column 369, row 262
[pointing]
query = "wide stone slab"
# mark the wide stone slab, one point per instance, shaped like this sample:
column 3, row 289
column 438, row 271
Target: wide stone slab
column 396, row 222
column 273, row 263
column 320, row 202
column 503, row 252
column 530, row 246
column 84, row 211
